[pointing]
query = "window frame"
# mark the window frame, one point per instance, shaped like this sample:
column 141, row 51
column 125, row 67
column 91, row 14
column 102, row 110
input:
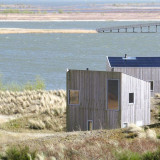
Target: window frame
column 69, row 97
column 118, row 96
column 88, row 125
column 133, row 98
column 150, row 85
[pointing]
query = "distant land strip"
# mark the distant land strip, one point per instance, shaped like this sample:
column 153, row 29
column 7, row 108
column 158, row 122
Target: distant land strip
column 125, row 16
column 21, row 30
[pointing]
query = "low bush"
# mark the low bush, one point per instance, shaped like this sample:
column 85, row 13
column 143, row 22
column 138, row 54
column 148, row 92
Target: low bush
column 128, row 155
column 152, row 155
column 18, row 153
column 38, row 84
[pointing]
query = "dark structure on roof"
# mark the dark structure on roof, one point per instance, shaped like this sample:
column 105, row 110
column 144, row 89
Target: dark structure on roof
column 145, row 68
column 134, row 61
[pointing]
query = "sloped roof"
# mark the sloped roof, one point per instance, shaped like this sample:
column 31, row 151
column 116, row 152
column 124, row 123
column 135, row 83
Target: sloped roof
column 134, row 61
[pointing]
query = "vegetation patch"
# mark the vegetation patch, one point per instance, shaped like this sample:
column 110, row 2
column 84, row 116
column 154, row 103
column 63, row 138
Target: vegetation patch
column 38, row 84
column 36, row 122
column 18, row 153
column 128, row 155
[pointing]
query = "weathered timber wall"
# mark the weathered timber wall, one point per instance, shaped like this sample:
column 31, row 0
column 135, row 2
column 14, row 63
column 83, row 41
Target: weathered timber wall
column 139, row 111
column 144, row 73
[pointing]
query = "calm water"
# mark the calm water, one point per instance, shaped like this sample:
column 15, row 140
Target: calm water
column 24, row 56
column 71, row 2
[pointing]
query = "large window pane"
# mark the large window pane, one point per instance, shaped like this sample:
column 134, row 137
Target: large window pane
column 113, row 94
column 73, row 97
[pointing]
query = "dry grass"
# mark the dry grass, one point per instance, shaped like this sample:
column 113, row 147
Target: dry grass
column 100, row 144
column 32, row 102
column 133, row 131
column 155, row 108
column 40, row 110
column 49, row 116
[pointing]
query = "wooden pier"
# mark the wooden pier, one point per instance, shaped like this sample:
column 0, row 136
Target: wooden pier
column 136, row 28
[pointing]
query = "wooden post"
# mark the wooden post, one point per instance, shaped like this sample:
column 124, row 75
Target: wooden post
column 141, row 30
column 110, row 30
column 148, row 28
column 156, row 28
column 133, row 29
column 118, row 30
column 126, row 30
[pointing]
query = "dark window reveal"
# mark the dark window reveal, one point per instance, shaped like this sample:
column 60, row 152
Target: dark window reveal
column 90, row 125
column 151, row 85
column 113, row 94
column 131, row 97
column 73, row 97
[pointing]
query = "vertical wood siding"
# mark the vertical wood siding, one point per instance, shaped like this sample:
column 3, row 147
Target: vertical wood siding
column 140, row 109
column 92, row 86
column 144, row 73
column 93, row 94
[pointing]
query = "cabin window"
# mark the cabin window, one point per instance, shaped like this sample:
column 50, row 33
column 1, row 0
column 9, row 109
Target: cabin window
column 151, row 85
column 112, row 99
column 131, row 97
column 73, row 97
column 90, row 125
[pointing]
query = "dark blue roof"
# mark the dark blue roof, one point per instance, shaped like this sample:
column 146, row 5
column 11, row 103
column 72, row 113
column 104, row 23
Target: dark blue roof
column 134, row 61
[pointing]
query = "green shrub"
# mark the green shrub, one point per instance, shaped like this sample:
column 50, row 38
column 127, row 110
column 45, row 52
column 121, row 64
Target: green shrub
column 60, row 11
column 128, row 155
column 158, row 136
column 38, row 84
column 152, row 155
column 18, row 153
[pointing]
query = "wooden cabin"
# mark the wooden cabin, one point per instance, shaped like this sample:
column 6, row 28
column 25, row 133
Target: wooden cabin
column 106, row 100
column 145, row 68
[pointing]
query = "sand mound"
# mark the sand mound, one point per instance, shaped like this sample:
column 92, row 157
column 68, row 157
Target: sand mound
column 135, row 131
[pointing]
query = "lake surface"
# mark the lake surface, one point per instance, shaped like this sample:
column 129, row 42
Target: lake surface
column 25, row 56
column 71, row 2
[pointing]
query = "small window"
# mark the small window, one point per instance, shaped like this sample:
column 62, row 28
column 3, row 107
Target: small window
column 73, row 97
column 90, row 125
column 131, row 97
column 151, row 85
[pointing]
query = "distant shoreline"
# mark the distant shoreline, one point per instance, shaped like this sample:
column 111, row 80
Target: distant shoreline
column 82, row 17
column 122, row 20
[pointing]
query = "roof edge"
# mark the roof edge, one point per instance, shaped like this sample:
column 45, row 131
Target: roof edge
column 108, row 61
